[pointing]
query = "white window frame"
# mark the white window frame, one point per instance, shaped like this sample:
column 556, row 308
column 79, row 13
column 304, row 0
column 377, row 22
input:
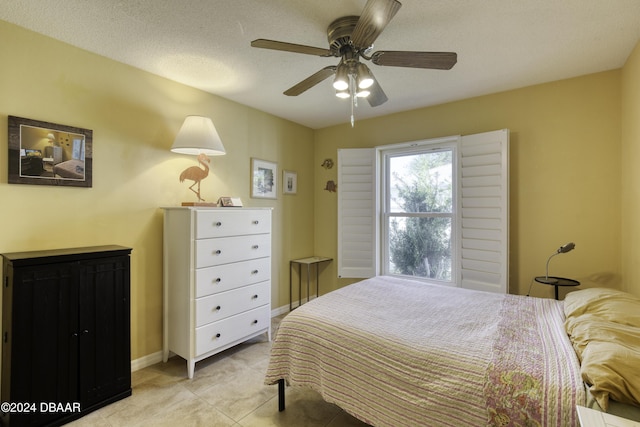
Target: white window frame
column 417, row 147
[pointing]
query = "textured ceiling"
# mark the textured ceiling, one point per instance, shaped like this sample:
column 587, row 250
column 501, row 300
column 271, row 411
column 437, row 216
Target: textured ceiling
column 501, row 45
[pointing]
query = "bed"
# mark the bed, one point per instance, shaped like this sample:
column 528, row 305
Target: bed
column 71, row 169
column 396, row 352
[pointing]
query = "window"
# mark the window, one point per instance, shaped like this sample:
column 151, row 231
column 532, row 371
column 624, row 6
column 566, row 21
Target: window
column 437, row 210
column 417, row 211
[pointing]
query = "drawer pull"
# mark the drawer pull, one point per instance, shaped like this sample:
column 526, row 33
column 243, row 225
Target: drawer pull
column 217, row 335
column 218, row 280
column 256, row 222
column 254, row 272
column 218, row 224
column 255, row 322
column 255, row 246
column 217, row 308
column 254, row 297
column 218, row 252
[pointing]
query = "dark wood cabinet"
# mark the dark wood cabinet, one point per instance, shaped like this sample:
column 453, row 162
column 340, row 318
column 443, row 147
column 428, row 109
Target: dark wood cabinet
column 66, row 333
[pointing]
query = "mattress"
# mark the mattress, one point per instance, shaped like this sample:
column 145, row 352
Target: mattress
column 395, row 352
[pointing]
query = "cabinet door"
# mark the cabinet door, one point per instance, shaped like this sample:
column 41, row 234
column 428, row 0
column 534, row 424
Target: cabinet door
column 105, row 349
column 43, row 340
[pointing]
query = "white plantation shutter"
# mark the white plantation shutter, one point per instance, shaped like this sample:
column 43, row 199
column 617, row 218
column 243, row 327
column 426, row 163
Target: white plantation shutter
column 484, row 190
column 482, row 222
column 357, row 213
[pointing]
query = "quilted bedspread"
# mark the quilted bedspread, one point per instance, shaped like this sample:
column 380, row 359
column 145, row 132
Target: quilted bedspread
column 396, row 352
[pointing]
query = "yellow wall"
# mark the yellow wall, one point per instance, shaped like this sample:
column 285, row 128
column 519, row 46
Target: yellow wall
column 631, row 172
column 134, row 117
column 565, row 173
column 566, row 158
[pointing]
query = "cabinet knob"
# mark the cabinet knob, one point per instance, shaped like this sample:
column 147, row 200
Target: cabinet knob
column 255, row 296
column 256, row 222
column 218, row 252
column 255, row 247
column 218, row 224
column 254, row 272
column 217, row 308
column 218, row 280
column 217, row 335
column 255, row 322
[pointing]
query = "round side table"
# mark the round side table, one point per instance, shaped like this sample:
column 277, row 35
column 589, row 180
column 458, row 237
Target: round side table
column 556, row 281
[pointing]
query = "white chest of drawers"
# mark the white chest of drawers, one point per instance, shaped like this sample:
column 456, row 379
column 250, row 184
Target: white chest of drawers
column 217, row 279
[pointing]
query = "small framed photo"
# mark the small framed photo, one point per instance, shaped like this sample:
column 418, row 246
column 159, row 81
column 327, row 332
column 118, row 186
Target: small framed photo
column 264, row 179
column 289, row 182
column 225, row 202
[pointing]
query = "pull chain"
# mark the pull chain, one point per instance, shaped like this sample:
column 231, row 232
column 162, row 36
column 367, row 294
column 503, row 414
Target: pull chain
column 354, row 101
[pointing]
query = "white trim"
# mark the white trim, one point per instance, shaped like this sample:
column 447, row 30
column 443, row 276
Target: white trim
column 146, row 361
column 418, row 147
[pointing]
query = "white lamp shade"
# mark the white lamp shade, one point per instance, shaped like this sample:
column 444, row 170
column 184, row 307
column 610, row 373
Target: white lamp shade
column 198, row 135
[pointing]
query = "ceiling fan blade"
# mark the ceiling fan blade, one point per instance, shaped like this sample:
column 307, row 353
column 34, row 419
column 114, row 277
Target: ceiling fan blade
column 374, row 18
column 290, row 47
column 311, row 81
column 435, row 60
column 376, row 96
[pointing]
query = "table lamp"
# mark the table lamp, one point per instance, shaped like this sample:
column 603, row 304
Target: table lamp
column 561, row 250
column 197, row 136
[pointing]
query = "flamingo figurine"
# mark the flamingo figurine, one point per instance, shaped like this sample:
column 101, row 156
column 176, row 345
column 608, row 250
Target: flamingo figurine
column 196, row 174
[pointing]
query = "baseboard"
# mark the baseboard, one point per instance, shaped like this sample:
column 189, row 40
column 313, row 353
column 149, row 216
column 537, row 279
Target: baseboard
column 285, row 308
column 145, row 361
column 280, row 310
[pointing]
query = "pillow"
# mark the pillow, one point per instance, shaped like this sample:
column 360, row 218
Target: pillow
column 607, row 304
column 611, row 370
column 587, row 327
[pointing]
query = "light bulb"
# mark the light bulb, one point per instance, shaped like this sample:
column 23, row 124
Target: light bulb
column 365, row 78
column 341, row 82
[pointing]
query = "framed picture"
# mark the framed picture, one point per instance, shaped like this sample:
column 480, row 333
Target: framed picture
column 289, row 182
column 264, row 179
column 49, row 154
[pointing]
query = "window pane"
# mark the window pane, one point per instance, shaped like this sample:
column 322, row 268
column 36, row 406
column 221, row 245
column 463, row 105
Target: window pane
column 420, row 247
column 421, row 182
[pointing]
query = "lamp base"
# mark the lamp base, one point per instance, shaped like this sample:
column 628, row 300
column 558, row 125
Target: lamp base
column 205, row 204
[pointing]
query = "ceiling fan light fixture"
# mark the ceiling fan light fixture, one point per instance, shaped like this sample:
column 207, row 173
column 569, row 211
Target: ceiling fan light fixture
column 341, row 82
column 364, row 78
column 343, row 94
column 363, row 93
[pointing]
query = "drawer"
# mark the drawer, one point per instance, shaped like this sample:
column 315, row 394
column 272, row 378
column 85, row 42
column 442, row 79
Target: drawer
column 218, row 306
column 225, row 277
column 234, row 328
column 225, row 250
column 232, row 223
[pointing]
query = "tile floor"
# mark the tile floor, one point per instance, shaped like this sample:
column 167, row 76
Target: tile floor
column 227, row 391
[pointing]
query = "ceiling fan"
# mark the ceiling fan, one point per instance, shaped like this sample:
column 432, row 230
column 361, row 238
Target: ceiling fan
column 351, row 38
